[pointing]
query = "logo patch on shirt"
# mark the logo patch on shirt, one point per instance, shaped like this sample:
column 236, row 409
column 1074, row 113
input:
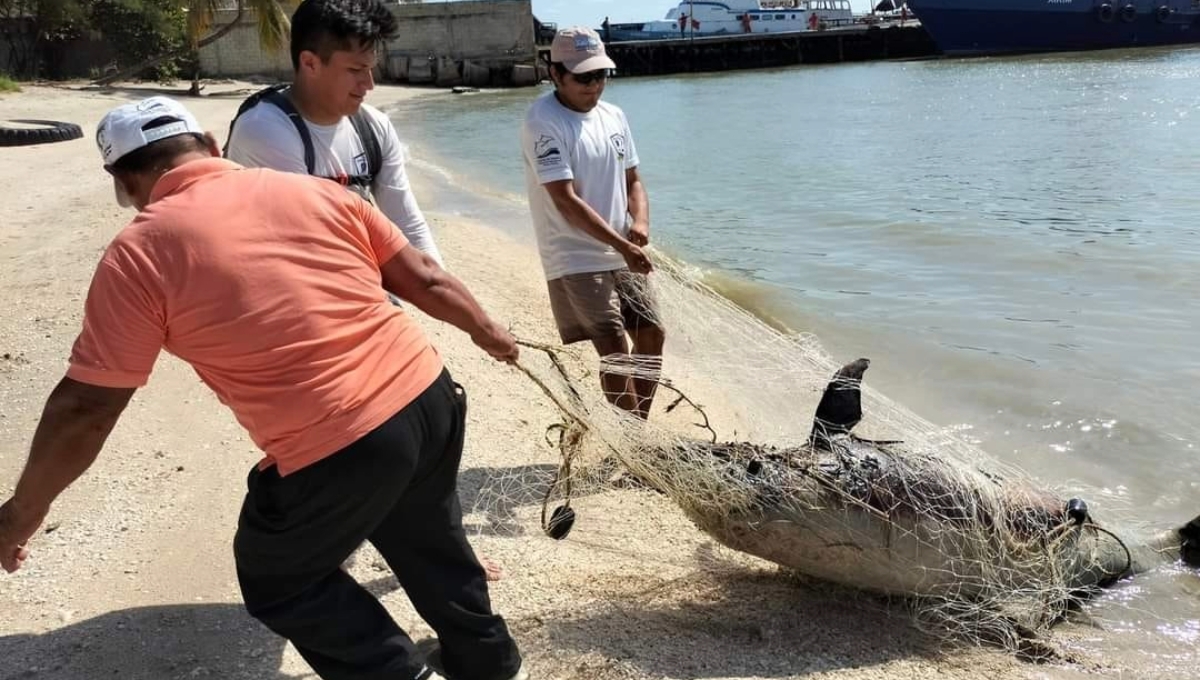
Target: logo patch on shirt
column 618, row 141
column 545, row 149
column 361, row 166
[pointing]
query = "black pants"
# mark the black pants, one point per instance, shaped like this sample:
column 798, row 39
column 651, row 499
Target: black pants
column 397, row 488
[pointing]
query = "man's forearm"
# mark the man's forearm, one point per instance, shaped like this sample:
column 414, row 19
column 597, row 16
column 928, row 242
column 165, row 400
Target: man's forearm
column 639, row 203
column 445, row 298
column 581, row 216
column 69, row 436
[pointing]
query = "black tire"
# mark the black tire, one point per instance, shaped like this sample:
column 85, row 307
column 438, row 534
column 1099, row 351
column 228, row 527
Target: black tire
column 49, row 131
column 1105, row 12
column 1128, row 13
column 1164, row 13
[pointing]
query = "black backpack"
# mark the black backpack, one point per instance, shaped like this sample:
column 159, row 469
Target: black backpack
column 274, row 95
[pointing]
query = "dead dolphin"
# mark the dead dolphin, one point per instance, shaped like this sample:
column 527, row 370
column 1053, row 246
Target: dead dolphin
column 887, row 518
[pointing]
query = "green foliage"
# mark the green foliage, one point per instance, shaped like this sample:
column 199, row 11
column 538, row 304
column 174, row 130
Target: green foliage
column 49, row 16
column 60, row 19
column 35, row 27
column 152, row 38
column 272, row 18
column 142, row 29
column 8, row 84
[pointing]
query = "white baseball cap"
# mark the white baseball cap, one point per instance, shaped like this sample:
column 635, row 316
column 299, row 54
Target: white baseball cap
column 129, row 127
column 580, row 50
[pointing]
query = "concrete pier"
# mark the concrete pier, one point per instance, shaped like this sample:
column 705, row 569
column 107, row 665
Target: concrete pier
column 763, row 50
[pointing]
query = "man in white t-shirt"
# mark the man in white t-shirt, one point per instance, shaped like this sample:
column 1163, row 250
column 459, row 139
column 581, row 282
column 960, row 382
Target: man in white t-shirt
column 591, row 217
column 320, row 125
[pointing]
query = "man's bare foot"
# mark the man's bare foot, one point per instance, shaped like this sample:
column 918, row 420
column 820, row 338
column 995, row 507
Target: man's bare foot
column 491, row 569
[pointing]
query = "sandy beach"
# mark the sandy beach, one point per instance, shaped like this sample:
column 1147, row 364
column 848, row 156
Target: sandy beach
column 132, row 576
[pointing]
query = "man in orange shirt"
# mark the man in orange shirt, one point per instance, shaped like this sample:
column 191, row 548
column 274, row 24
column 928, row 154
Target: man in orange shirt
column 272, row 286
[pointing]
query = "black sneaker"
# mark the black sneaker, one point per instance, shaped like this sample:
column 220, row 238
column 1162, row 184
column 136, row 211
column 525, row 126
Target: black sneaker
column 433, row 661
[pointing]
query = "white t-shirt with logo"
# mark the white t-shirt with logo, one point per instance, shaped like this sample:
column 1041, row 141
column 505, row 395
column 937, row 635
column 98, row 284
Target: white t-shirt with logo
column 594, row 149
column 265, row 137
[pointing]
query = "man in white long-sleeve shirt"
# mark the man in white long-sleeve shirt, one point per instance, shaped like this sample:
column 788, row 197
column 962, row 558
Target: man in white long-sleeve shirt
column 320, row 125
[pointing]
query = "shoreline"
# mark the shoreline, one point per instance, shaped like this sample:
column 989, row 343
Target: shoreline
column 136, row 577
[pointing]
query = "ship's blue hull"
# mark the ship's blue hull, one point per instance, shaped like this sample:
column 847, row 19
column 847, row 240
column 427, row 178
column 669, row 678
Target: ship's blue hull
column 975, row 27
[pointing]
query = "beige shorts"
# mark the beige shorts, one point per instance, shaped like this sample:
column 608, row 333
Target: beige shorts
column 602, row 304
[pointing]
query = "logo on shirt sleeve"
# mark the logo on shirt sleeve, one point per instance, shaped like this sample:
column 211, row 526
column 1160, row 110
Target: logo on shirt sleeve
column 545, row 149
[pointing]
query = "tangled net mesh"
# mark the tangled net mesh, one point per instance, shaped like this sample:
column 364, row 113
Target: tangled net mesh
column 978, row 549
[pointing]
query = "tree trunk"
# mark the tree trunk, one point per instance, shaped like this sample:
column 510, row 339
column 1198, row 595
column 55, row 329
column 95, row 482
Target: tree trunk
column 196, row 87
column 174, row 54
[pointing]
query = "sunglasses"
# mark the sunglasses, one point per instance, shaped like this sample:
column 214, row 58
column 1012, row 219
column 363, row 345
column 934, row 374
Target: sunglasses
column 591, row 76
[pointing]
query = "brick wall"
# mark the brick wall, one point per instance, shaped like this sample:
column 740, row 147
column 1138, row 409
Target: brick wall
column 495, row 34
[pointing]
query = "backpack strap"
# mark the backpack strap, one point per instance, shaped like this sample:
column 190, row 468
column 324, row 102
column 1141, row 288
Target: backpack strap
column 278, row 98
column 370, row 142
column 362, row 127
column 274, row 94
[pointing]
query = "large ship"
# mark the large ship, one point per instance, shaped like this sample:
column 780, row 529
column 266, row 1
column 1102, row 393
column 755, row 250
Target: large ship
column 979, row 27
column 703, row 18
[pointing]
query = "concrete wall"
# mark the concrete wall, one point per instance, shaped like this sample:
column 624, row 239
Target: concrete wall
column 239, row 54
column 465, row 30
column 449, row 43
column 463, row 43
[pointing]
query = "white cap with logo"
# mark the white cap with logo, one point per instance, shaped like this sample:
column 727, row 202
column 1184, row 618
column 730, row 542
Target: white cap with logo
column 129, row 127
column 580, row 50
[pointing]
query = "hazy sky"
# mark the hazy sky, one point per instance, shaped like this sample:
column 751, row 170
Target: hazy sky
column 592, row 12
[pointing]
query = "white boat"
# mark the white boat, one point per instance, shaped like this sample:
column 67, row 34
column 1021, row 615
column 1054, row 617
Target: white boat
column 704, row 18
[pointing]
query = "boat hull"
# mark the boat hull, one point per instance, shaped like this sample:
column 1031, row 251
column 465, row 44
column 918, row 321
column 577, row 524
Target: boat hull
column 631, row 32
column 979, row 27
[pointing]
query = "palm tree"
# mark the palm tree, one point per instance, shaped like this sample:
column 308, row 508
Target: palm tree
column 272, row 21
column 273, row 25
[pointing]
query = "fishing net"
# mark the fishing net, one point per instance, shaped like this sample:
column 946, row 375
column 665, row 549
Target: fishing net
column 896, row 507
